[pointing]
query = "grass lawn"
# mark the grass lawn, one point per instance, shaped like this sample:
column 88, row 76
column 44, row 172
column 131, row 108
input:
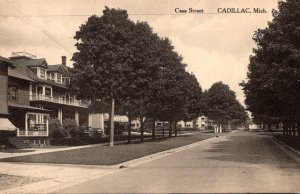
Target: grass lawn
column 105, row 155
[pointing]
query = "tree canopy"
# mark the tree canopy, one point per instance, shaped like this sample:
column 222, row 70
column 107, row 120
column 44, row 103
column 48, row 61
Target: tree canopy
column 121, row 60
column 220, row 104
column 272, row 87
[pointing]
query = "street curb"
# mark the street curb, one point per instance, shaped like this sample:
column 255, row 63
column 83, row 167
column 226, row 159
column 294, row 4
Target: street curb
column 53, row 186
column 293, row 153
column 145, row 159
column 129, row 163
column 41, row 151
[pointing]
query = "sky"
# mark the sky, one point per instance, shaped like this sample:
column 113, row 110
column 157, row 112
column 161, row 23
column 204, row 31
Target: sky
column 215, row 46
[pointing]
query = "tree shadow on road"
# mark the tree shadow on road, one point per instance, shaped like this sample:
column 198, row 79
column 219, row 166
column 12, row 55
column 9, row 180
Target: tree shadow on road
column 251, row 150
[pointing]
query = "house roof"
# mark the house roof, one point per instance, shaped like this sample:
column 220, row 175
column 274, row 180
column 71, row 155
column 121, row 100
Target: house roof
column 17, row 71
column 14, row 72
column 60, row 68
column 56, row 68
column 21, row 69
column 31, row 62
column 7, row 61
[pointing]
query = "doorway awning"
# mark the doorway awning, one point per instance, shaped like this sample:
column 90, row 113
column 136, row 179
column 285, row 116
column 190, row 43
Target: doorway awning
column 6, row 125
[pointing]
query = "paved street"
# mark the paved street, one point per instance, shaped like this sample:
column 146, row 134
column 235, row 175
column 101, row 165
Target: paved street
column 240, row 162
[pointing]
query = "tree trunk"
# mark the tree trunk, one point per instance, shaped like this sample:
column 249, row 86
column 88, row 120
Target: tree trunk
column 277, row 125
column 129, row 129
column 216, row 128
column 264, row 125
column 153, row 129
column 112, row 115
column 284, row 128
column 269, row 127
column 289, row 129
column 175, row 128
column 298, row 128
column 142, row 130
column 170, row 128
column 163, row 129
column 294, row 128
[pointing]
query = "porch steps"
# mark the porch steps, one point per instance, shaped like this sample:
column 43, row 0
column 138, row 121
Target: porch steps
column 19, row 142
column 29, row 142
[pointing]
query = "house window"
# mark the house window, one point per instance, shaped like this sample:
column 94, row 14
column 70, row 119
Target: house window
column 42, row 73
column 59, row 78
column 48, row 76
column 13, row 93
column 66, row 80
column 40, row 90
column 48, row 92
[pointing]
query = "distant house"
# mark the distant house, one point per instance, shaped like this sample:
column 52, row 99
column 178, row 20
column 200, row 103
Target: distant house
column 200, row 123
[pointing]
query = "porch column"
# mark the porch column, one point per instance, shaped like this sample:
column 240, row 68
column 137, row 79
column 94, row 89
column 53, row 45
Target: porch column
column 90, row 119
column 30, row 91
column 26, row 125
column 44, row 90
column 102, row 121
column 60, row 115
column 47, row 126
column 77, row 117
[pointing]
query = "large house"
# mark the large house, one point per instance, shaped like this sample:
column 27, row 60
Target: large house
column 35, row 92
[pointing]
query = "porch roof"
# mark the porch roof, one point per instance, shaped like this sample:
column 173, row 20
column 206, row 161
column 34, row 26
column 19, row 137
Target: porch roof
column 26, row 107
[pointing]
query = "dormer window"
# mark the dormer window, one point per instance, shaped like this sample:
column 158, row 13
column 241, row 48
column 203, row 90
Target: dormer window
column 59, row 78
column 66, row 80
column 42, row 73
column 52, row 77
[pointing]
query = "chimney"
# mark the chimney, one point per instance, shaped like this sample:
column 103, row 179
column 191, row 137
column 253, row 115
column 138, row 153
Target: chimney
column 64, row 60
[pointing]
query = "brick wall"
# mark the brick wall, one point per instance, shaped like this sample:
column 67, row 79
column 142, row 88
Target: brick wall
column 23, row 90
column 3, row 88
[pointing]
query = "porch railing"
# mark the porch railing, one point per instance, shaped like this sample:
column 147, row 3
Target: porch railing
column 59, row 100
column 22, row 133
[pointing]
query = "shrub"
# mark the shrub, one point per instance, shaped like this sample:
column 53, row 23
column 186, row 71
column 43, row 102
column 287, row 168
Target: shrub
column 56, row 129
column 118, row 128
column 70, row 127
column 210, row 127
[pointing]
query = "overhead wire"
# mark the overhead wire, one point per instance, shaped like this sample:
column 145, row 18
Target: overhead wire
column 45, row 31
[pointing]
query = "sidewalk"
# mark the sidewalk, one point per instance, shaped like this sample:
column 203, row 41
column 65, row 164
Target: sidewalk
column 32, row 151
column 62, row 176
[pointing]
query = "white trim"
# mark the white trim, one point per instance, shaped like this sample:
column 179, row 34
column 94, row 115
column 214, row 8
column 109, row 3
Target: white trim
column 77, row 117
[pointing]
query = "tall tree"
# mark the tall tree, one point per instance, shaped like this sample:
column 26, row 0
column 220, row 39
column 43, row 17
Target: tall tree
column 272, row 86
column 221, row 105
column 103, row 67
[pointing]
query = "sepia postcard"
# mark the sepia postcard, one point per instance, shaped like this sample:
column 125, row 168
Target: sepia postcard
column 149, row 96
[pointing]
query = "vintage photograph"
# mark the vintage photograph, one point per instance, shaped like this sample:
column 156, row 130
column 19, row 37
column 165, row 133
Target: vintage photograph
column 149, row 96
